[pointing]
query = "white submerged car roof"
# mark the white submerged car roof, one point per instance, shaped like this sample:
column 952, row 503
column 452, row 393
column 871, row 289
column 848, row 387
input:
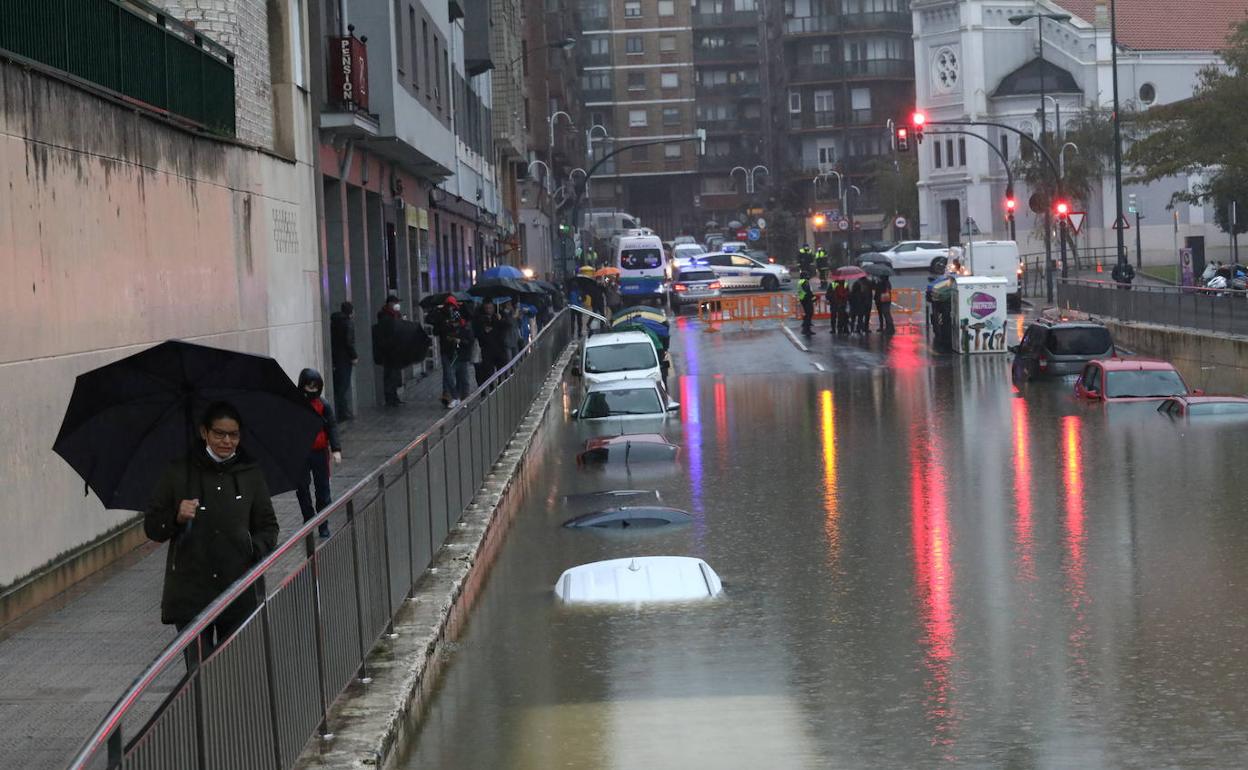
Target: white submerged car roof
column 639, row 579
column 642, row 383
column 617, row 338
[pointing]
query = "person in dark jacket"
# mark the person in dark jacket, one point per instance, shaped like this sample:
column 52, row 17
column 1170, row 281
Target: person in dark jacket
column 214, row 509
column 343, row 357
column 860, row 307
column 491, row 332
column 455, row 343
column 838, row 301
column 384, row 339
column 324, row 446
column 884, row 304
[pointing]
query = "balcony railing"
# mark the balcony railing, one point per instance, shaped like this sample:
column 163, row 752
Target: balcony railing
column 727, row 53
column 736, row 90
column 726, row 19
column 811, row 25
column 590, row 23
column 596, row 94
column 130, row 48
column 822, row 25
column 811, row 72
column 596, row 59
column 731, row 124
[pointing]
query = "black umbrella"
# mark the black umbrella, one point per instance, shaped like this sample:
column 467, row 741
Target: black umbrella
column 498, row 287
column 878, row 269
column 430, row 301
column 585, row 283
column 128, row 419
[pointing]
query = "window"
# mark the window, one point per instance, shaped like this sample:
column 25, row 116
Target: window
column 667, row 43
column 437, row 82
column 821, row 53
column 795, row 101
column 671, row 116
column 597, row 118
column 398, row 37
column 632, row 9
column 599, row 45
column 667, row 7
column 671, row 150
column 669, row 80
column 745, row 5
column 296, row 43
column 636, row 81
column 827, row 154
column 637, row 118
column 824, row 101
column 860, row 99
column 936, row 152
column 411, row 24
column 1148, row 94
column 634, row 44
column 1079, row 341
column 961, row 152
column 949, row 152
column 424, row 40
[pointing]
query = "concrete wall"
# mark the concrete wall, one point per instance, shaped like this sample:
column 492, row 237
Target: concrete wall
column 119, row 232
column 1212, row 362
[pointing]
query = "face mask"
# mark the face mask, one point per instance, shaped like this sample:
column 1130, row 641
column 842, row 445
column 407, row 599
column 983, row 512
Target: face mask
column 396, row 307
column 310, row 394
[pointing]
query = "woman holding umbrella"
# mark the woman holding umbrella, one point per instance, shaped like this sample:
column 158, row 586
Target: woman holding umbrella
column 216, row 509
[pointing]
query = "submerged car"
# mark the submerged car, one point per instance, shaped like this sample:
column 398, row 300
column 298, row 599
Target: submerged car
column 620, row 356
column 627, row 448
column 624, row 399
column 1058, row 348
column 639, row 579
column 1201, row 407
column 1130, row 379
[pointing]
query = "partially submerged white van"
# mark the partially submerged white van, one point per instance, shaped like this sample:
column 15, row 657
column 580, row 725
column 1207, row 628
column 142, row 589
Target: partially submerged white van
column 620, row 356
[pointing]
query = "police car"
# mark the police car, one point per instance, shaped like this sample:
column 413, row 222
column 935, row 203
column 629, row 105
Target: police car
column 737, row 272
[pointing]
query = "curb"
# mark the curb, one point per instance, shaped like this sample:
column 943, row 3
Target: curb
column 374, row 724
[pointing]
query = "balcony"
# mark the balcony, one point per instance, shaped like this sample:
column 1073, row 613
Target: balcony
column 142, row 55
column 825, row 119
column 728, row 53
column 594, row 23
column 596, row 59
column 734, row 90
column 731, row 125
column 811, row 72
column 589, row 95
column 725, row 163
column 726, row 19
column 878, row 21
column 811, row 25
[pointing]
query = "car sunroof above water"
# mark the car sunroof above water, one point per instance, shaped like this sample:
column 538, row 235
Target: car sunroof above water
column 611, row 494
column 630, row 517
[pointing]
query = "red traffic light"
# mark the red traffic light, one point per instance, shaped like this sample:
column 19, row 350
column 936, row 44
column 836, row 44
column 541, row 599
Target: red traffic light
column 1062, row 208
column 919, row 119
column 903, row 140
column 1010, row 204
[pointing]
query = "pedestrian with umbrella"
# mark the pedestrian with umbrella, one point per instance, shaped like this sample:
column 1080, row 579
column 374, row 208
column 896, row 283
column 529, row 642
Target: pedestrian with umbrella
column 212, row 503
column 397, row 343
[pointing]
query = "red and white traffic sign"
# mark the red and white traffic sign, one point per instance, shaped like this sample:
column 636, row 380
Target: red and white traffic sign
column 900, row 223
column 1076, row 219
column 1122, row 224
column 843, row 224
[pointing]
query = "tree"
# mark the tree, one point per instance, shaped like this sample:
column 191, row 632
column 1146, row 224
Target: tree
column 1204, row 137
column 784, row 228
column 1093, row 134
column 897, row 186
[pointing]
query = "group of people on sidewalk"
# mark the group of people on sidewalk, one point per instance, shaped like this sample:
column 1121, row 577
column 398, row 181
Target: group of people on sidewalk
column 849, row 305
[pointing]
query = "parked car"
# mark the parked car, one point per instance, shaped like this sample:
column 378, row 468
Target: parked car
column 734, row 247
column 1054, row 348
column 619, row 356
column 737, row 271
column 681, row 240
column 625, row 399
column 684, row 253
column 693, row 286
column 1113, row 380
column 1200, row 407
column 913, row 254
column 624, row 449
column 761, row 256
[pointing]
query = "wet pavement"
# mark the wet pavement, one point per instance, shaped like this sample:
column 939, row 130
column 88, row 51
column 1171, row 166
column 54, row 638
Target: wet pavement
column 921, row 568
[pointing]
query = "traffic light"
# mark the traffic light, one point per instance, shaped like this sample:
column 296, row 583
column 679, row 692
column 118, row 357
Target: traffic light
column 918, row 120
column 1062, row 209
column 819, row 221
column 1010, row 206
column 903, row 139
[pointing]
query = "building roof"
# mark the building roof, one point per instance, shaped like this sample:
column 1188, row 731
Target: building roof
column 1204, row 25
column 1026, row 80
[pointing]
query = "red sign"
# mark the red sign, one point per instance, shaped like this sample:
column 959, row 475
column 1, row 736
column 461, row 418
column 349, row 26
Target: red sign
column 348, row 72
column 742, row 235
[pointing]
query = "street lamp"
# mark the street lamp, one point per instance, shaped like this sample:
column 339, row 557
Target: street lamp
column 1123, row 269
column 749, row 176
column 554, row 118
column 565, row 44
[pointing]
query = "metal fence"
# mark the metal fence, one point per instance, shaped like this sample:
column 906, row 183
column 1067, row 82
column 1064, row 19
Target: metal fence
column 255, row 701
column 1032, row 282
column 130, row 48
column 1222, row 312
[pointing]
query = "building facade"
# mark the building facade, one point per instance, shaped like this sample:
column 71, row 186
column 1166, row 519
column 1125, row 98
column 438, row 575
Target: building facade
column 140, row 215
column 972, row 62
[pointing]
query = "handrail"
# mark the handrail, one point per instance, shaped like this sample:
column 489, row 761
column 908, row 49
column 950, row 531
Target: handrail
column 107, row 729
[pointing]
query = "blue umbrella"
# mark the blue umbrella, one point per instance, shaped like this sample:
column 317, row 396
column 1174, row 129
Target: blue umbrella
column 503, row 271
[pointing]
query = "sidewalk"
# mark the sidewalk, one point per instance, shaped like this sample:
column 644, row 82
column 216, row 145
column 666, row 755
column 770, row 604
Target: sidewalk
column 63, row 665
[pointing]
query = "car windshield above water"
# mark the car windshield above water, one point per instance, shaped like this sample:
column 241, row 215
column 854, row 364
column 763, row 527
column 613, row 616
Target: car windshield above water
column 1079, row 341
column 621, row 357
column 1146, row 383
column 624, row 401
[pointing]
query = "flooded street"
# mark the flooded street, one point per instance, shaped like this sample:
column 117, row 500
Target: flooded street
column 921, row 568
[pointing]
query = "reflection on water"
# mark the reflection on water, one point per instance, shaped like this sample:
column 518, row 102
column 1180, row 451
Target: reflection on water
column 921, row 569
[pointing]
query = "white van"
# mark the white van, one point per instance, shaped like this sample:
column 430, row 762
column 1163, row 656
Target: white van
column 620, row 356
column 644, row 268
column 998, row 259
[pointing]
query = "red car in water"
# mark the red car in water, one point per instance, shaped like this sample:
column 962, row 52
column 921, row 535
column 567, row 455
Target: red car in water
column 1112, row 380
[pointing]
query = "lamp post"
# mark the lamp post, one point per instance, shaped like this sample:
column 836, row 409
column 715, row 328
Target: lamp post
column 554, row 118
column 840, row 185
column 1123, row 269
column 749, row 176
column 849, row 234
column 565, row 44
column 1061, row 170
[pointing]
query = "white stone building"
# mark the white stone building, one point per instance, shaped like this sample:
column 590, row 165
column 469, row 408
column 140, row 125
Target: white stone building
column 972, row 63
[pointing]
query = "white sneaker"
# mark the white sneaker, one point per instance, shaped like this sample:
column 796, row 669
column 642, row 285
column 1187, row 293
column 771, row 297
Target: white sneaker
column 454, row 403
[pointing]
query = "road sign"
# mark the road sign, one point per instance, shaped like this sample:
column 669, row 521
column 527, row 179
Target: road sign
column 900, row 223
column 1076, row 220
column 742, row 234
column 1122, row 224
column 843, row 225
column 754, row 234
column 762, row 223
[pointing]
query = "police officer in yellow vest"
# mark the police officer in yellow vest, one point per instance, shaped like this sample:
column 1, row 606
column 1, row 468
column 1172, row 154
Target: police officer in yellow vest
column 807, row 298
column 821, row 264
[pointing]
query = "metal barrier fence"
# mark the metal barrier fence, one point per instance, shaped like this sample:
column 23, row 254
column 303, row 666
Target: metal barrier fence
column 131, row 48
column 1032, row 282
column 256, row 700
column 1223, row 312
column 907, row 306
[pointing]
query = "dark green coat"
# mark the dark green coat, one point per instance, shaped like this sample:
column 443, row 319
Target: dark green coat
column 234, row 528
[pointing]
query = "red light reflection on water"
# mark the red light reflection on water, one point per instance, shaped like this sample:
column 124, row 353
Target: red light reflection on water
column 1023, row 538
column 933, row 571
column 831, row 506
column 721, row 419
column 1075, row 536
column 906, row 352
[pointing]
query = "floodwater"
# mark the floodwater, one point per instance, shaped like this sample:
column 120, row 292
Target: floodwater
column 921, row 569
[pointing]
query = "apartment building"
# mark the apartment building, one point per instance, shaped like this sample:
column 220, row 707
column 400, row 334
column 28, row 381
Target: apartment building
column 638, row 87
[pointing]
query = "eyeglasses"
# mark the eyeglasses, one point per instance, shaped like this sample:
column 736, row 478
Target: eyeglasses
column 225, row 435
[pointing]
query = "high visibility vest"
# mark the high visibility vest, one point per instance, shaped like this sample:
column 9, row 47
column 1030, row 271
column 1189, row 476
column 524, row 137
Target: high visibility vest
column 803, row 290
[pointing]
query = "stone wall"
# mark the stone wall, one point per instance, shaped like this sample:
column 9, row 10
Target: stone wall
column 242, row 27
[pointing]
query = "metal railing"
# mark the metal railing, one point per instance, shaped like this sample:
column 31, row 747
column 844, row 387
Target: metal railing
column 130, row 48
column 1032, row 282
column 256, row 700
column 1217, row 311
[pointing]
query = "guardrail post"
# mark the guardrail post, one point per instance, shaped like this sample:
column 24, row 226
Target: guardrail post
column 363, row 677
column 318, row 628
column 411, row 550
column 385, row 547
column 115, row 749
column 269, row 683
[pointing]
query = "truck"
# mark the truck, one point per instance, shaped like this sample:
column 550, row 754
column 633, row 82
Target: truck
column 997, row 259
